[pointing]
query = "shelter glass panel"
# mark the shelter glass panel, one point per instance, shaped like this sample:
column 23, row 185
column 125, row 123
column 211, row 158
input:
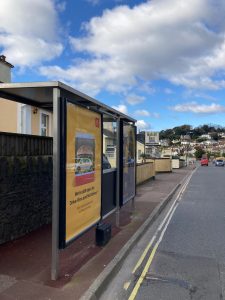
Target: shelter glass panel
column 109, row 144
column 129, row 162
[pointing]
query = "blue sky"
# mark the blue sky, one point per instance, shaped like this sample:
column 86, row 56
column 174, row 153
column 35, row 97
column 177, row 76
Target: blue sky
column 161, row 61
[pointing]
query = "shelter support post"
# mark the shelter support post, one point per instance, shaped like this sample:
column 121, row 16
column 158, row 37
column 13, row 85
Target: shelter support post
column 118, row 167
column 56, row 184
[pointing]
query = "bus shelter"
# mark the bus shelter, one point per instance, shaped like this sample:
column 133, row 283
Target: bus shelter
column 94, row 153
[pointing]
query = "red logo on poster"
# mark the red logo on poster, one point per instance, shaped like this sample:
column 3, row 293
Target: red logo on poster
column 97, row 122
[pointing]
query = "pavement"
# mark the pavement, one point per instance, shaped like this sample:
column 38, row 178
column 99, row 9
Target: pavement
column 85, row 268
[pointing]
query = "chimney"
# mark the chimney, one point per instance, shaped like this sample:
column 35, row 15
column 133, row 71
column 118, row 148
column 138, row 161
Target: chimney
column 5, row 70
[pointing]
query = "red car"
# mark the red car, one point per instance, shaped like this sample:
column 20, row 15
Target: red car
column 204, row 162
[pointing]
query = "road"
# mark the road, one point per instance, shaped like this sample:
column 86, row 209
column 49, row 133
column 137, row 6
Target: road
column 182, row 255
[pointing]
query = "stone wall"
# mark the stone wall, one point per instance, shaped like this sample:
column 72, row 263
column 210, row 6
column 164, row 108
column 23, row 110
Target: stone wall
column 25, row 194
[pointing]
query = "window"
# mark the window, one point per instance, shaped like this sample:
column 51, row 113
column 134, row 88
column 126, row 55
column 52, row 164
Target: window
column 44, row 124
column 24, row 119
column 139, row 154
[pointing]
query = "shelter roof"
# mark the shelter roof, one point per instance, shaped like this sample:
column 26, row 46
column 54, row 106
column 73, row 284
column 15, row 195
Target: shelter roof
column 40, row 94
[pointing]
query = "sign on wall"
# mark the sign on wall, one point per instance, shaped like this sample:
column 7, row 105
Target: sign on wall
column 129, row 156
column 83, row 170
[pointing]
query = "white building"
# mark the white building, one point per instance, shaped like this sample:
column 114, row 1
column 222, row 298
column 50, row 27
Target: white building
column 151, row 138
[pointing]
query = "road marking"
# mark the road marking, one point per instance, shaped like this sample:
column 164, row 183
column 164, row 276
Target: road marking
column 167, row 218
column 143, row 255
column 148, row 264
column 160, row 227
column 126, row 285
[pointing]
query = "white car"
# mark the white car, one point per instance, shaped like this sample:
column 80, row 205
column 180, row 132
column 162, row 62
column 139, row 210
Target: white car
column 219, row 163
column 83, row 165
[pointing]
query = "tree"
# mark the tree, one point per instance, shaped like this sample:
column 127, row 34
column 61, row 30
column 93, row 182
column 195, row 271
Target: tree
column 199, row 140
column 176, row 132
column 143, row 156
column 199, row 152
column 182, row 130
column 215, row 136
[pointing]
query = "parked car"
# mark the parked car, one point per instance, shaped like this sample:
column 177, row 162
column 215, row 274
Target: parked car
column 105, row 163
column 83, row 165
column 219, row 163
column 204, row 161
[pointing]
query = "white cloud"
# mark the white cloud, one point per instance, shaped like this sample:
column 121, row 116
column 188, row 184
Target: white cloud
column 189, row 94
column 142, row 112
column 134, row 99
column 91, row 76
column 145, row 113
column 132, row 45
column 142, row 125
column 146, row 88
column 199, row 108
column 29, row 31
column 122, row 108
column 139, row 39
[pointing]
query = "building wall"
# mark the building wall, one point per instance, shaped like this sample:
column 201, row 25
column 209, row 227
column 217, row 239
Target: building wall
column 151, row 137
column 8, row 116
column 167, row 152
column 140, row 150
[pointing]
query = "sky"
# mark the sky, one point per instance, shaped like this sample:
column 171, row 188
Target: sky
column 161, row 62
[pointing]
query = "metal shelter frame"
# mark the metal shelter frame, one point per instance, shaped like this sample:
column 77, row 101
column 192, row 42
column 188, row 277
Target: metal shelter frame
column 50, row 96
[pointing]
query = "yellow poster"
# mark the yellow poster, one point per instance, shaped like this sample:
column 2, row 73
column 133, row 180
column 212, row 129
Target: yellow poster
column 83, row 170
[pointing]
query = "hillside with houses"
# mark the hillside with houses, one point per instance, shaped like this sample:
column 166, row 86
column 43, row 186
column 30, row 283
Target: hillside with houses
column 183, row 141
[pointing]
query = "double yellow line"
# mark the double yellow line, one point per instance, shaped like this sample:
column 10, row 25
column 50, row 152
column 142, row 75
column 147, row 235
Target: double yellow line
column 165, row 222
column 150, row 259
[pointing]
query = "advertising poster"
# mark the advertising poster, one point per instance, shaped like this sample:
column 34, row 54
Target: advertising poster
column 128, row 162
column 83, row 170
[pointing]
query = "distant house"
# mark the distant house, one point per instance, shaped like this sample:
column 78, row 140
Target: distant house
column 109, row 143
column 165, row 142
column 221, row 134
column 168, row 152
column 140, row 151
column 21, row 118
column 185, row 139
column 150, row 139
column 206, row 136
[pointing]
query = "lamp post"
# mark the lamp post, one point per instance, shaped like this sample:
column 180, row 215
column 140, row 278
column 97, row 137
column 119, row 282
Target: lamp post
column 187, row 138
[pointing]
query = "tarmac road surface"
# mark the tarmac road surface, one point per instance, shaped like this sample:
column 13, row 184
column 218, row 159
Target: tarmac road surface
column 182, row 255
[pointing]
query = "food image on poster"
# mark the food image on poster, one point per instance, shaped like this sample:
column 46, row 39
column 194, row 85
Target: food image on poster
column 84, row 158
